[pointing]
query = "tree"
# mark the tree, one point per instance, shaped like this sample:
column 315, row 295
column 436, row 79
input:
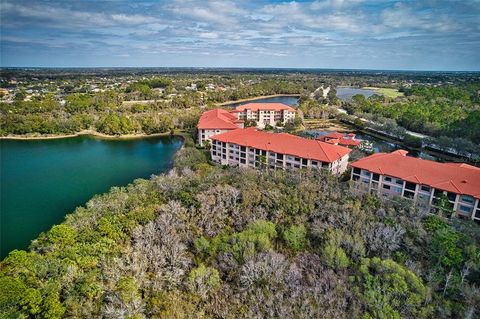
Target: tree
column 295, row 237
column 77, row 102
column 202, row 280
column 389, row 290
column 335, row 257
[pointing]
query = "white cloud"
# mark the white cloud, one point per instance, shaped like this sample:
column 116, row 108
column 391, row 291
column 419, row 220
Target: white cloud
column 67, row 18
column 208, row 35
column 403, row 17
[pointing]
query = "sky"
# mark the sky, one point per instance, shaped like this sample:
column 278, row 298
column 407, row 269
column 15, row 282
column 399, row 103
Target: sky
column 341, row 34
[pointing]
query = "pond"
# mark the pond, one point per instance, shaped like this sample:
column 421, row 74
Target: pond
column 43, row 180
column 346, row 93
column 288, row 100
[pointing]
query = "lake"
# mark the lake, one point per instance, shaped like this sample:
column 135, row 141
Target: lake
column 43, row 180
column 346, row 93
column 288, row 100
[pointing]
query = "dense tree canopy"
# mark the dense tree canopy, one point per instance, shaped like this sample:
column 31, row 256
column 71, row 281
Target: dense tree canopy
column 451, row 110
column 212, row 242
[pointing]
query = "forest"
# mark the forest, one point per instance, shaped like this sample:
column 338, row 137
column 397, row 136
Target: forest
column 450, row 110
column 206, row 241
column 106, row 112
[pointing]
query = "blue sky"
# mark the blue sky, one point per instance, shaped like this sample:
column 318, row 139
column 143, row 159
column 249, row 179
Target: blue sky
column 421, row 35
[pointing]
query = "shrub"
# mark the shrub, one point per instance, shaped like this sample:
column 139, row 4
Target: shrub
column 295, row 237
column 335, row 257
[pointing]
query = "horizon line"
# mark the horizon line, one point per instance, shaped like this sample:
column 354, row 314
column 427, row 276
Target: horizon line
column 230, row 67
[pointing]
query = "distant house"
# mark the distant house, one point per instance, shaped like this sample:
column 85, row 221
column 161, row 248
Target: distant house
column 266, row 113
column 397, row 175
column 215, row 122
column 250, row 147
column 336, row 138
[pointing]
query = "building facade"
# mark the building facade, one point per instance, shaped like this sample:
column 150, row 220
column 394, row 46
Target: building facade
column 424, row 182
column 266, row 113
column 214, row 122
column 253, row 148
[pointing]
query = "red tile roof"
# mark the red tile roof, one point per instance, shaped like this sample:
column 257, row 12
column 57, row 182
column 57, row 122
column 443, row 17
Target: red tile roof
column 265, row 106
column 284, row 143
column 452, row 177
column 334, row 135
column 339, row 138
column 218, row 119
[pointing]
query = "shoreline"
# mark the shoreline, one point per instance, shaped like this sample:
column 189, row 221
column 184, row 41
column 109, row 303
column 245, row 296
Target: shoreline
column 254, row 98
column 94, row 134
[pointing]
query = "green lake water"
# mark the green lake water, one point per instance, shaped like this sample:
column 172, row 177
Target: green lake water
column 41, row 181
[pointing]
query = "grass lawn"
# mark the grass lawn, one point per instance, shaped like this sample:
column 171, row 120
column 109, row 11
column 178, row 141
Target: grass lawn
column 330, row 125
column 393, row 93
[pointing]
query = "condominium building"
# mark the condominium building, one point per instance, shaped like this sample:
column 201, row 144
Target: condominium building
column 250, row 147
column 215, row 122
column 266, row 113
column 336, row 138
column 397, row 175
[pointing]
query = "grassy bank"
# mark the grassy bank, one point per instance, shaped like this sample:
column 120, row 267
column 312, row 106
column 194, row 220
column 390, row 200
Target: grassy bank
column 388, row 92
column 89, row 133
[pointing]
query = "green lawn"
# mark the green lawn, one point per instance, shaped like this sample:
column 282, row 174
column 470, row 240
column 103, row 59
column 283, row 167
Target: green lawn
column 388, row 92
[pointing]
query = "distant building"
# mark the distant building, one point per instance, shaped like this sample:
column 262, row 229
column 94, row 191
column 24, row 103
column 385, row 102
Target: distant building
column 266, row 113
column 336, row 138
column 250, row 147
column 215, row 122
column 397, row 175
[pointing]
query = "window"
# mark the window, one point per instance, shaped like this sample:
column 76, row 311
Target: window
column 451, row 196
column 410, row 186
column 315, row 163
column 355, row 177
column 366, row 173
column 465, row 209
column 387, row 179
column 408, row 194
column 425, row 188
column 386, row 186
column 467, row 199
column 279, row 156
column 437, row 193
column 242, row 160
column 424, row 197
column 304, row 161
column 477, row 213
column 356, row 170
column 399, row 182
column 376, row 177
